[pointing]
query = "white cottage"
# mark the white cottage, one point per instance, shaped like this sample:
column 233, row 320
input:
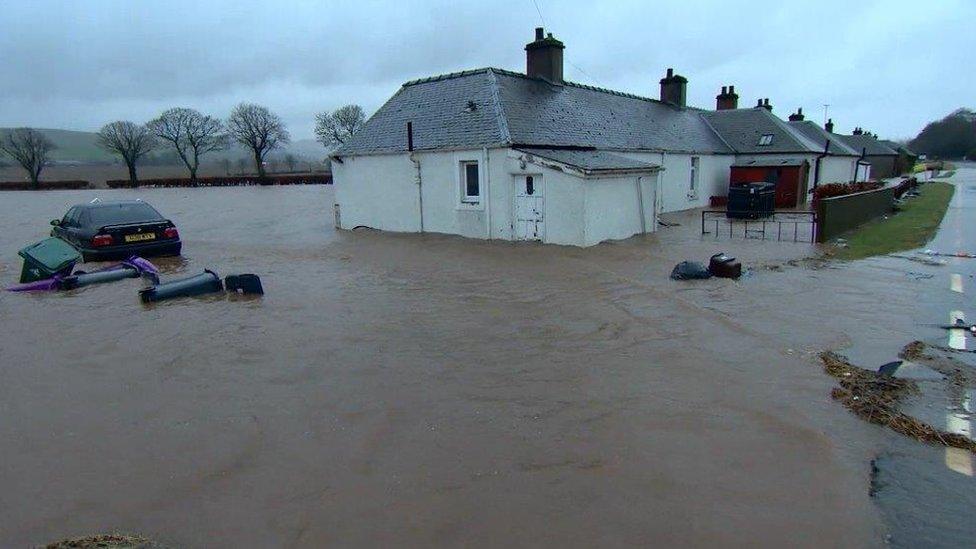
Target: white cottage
column 490, row 153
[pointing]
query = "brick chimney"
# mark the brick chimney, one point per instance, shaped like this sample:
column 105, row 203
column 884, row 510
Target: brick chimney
column 544, row 58
column 829, row 126
column 858, row 131
column 674, row 89
column 797, row 116
column 727, row 100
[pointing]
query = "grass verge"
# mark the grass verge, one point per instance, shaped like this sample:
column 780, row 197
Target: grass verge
column 910, row 228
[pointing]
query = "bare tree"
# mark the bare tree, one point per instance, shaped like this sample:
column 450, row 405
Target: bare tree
column 128, row 140
column 30, row 148
column 337, row 127
column 258, row 129
column 241, row 166
column 191, row 135
column 291, row 161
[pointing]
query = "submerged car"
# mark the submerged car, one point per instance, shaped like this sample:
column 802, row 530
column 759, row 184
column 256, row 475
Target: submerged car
column 103, row 230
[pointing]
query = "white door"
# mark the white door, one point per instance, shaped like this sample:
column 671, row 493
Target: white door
column 529, row 208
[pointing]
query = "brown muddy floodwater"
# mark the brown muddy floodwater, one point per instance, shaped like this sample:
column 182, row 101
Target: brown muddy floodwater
column 403, row 390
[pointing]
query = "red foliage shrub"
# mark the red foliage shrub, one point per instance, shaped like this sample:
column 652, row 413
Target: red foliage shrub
column 43, row 185
column 831, row 190
column 227, row 181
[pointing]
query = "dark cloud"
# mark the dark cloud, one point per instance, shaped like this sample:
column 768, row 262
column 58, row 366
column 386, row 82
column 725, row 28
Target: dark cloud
column 80, row 64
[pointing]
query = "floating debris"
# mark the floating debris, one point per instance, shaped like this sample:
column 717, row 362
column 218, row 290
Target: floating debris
column 105, row 541
column 913, row 351
column 923, row 260
column 874, row 397
column 967, row 255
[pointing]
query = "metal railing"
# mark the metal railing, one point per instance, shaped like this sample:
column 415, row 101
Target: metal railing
column 795, row 226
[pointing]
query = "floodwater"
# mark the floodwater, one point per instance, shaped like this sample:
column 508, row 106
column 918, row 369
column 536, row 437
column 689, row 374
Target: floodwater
column 428, row 390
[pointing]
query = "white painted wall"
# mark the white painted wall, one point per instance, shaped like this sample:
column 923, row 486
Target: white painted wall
column 612, row 207
column 381, row 191
column 835, row 169
column 675, row 181
column 377, row 191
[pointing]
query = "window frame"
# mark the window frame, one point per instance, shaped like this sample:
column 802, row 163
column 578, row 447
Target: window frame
column 465, row 200
column 765, row 140
column 694, row 173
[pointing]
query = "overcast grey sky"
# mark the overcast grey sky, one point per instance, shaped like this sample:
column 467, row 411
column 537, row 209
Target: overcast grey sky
column 889, row 66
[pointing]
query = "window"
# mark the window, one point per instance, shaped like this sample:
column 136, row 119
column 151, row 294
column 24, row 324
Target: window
column 693, row 183
column 765, row 139
column 69, row 217
column 529, row 185
column 123, row 213
column 470, row 183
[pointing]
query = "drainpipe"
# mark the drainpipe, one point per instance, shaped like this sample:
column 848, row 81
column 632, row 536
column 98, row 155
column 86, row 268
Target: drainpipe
column 640, row 204
column 659, row 192
column 857, row 168
column 417, row 179
column 816, row 169
column 484, row 152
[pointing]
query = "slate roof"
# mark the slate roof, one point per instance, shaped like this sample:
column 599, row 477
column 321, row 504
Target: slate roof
column 592, row 161
column 743, row 128
column 538, row 113
column 760, row 162
column 898, row 147
column 492, row 107
column 873, row 146
column 813, row 132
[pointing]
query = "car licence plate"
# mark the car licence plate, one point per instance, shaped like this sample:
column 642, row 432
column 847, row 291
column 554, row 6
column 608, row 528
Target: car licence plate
column 139, row 237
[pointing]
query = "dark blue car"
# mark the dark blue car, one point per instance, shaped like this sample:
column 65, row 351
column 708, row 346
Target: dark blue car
column 116, row 230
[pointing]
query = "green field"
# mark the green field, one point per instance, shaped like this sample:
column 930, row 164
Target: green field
column 73, row 146
column 82, row 148
column 910, row 228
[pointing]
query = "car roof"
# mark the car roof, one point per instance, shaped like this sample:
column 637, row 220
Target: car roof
column 104, row 203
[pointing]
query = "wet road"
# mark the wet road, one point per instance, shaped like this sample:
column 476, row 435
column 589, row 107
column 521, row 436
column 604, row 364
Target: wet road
column 927, row 494
column 417, row 391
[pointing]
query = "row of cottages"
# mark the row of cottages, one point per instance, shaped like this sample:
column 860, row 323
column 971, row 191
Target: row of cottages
column 491, row 153
column 887, row 158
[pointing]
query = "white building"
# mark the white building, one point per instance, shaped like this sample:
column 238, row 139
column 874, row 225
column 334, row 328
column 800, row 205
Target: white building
column 490, row 153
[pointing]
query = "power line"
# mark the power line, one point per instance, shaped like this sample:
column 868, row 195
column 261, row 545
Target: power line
column 541, row 18
column 574, row 65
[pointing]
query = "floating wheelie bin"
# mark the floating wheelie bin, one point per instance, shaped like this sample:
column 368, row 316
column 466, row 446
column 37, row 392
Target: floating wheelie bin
column 47, row 258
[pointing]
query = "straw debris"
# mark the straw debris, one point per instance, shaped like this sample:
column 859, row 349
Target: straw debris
column 875, row 397
column 913, row 351
column 105, row 541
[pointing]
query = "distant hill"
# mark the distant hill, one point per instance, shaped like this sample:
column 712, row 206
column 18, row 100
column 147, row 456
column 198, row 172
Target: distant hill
column 952, row 137
column 82, row 148
column 74, row 147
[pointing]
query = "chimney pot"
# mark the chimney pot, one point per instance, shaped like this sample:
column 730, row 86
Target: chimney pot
column 544, row 57
column 727, row 99
column 759, row 102
column 674, row 88
column 829, row 126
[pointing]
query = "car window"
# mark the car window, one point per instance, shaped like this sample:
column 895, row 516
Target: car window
column 68, row 219
column 112, row 214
